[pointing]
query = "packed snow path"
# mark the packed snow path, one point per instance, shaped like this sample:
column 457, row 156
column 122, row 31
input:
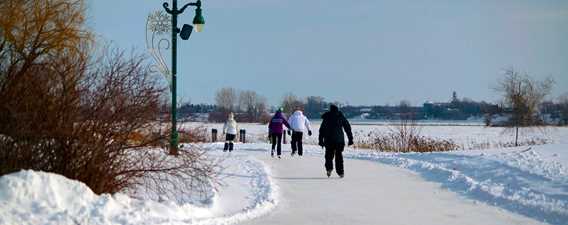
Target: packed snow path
column 371, row 193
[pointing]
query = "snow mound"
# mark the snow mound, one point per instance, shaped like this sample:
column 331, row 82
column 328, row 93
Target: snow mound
column 30, row 197
column 37, row 196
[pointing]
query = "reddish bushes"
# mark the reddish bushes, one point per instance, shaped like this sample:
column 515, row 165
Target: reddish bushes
column 405, row 137
column 198, row 134
column 65, row 110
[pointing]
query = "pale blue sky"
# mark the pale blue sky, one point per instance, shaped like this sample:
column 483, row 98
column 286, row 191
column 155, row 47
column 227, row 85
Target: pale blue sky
column 358, row 51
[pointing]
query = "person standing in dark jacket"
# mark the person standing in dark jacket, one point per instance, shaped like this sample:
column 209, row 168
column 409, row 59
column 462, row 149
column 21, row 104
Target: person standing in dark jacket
column 275, row 131
column 331, row 137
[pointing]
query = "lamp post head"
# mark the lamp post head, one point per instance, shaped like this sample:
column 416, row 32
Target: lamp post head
column 198, row 20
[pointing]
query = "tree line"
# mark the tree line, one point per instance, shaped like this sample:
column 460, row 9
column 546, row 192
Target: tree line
column 521, row 94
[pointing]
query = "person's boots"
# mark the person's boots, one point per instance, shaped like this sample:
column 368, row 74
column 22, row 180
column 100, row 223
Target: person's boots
column 272, row 153
column 231, row 147
column 226, row 147
column 329, row 173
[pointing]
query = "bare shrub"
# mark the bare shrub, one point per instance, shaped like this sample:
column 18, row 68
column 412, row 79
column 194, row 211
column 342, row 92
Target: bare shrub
column 217, row 117
column 391, row 140
column 506, row 144
column 406, row 137
column 187, row 178
column 198, row 134
column 87, row 113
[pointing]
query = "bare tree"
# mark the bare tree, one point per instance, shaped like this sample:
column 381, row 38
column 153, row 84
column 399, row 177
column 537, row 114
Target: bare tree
column 290, row 102
column 260, row 109
column 406, row 112
column 253, row 104
column 226, row 99
column 523, row 95
column 261, row 105
column 247, row 101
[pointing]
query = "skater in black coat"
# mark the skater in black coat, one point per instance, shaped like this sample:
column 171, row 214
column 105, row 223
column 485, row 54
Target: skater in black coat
column 332, row 137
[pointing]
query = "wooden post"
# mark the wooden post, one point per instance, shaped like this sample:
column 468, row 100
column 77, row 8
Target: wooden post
column 243, row 135
column 214, row 135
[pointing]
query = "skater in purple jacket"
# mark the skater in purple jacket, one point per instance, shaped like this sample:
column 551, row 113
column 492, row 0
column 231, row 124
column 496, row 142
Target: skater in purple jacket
column 275, row 131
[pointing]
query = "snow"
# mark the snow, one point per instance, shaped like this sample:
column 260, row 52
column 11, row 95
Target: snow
column 30, row 197
column 467, row 136
column 525, row 185
column 371, row 193
column 526, row 181
column 518, row 180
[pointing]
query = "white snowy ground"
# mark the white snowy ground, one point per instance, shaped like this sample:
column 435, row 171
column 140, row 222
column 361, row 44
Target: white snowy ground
column 508, row 186
column 30, row 197
column 513, row 186
column 467, row 136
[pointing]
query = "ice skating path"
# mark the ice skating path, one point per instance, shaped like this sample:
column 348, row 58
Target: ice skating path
column 371, row 193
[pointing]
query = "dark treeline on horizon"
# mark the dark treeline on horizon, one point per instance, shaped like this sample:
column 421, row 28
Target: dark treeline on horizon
column 454, row 109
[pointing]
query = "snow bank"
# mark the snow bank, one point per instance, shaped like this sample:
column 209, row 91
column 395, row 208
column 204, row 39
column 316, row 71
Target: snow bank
column 520, row 180
column 30, row 197
column 262, row 191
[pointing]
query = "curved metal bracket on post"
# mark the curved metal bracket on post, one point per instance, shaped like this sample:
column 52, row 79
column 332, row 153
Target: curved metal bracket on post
column 182, row 9
column 166, row 7
column 197, row 4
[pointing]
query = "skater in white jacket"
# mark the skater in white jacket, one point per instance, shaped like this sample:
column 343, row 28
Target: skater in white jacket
column 299, row 124
column 230, row 131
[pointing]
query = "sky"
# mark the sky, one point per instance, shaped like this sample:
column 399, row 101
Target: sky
column 361, row 52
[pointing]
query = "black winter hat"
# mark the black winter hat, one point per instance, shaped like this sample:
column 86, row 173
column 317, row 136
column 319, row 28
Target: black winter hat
column 333, row 108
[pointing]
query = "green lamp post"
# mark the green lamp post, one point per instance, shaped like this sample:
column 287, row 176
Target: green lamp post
column 185, row 32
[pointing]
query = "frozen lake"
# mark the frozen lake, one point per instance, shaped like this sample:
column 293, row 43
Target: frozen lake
column 466, row 135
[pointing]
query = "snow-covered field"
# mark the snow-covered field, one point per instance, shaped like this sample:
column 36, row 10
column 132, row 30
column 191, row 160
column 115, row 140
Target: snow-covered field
column 467, row 136
column 525, row 185
column 530, row 181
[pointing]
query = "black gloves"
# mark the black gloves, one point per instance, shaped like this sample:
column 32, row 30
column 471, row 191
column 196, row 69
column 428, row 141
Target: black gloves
column 309, row 133
column 350, row 142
